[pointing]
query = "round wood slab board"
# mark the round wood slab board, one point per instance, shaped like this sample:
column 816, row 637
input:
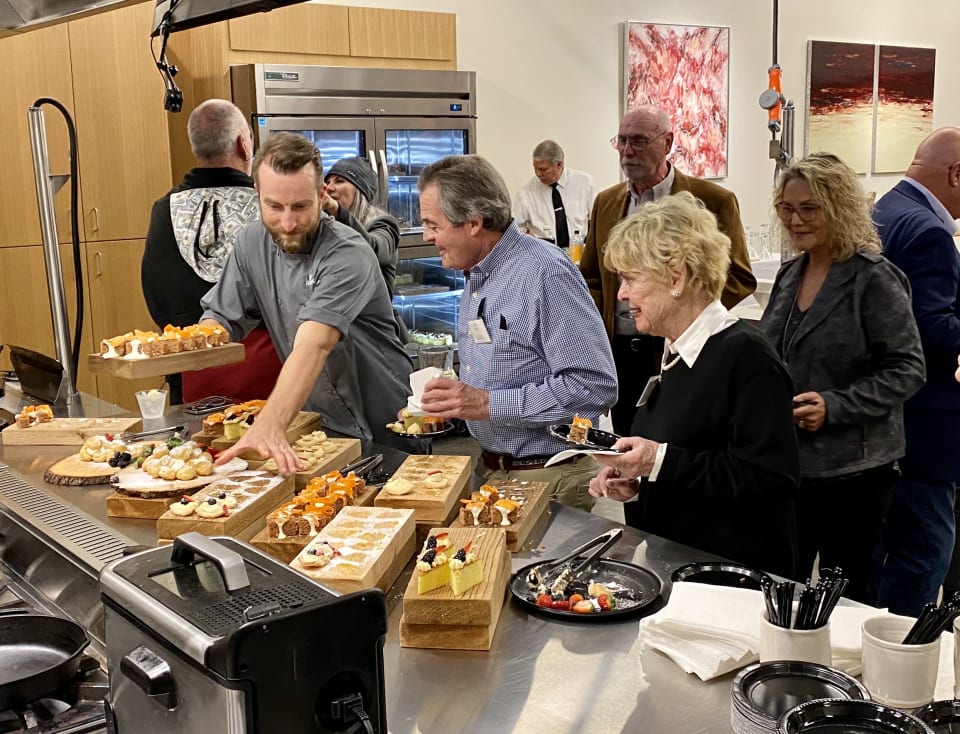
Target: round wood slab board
column 75, row 473
column 137, row 483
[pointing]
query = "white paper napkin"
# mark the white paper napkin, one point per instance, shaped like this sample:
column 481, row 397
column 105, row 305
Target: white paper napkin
column 567, row 453
column 419, row 380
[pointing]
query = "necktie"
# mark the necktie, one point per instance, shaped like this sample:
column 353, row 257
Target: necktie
column 563, row 235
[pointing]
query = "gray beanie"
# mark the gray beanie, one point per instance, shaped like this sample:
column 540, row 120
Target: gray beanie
column 358, row 172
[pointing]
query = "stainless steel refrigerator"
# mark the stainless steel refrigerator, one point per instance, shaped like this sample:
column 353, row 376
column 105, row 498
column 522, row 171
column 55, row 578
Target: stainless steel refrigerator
column 401, row 121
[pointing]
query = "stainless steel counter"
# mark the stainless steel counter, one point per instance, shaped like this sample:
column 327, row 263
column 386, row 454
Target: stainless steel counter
column 540, row 676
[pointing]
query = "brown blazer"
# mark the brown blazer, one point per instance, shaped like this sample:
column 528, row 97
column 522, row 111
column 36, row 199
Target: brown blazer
column 610, row 206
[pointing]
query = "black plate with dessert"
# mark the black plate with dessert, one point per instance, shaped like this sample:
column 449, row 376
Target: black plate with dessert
column 614, row 590
column 420, row 426
column 580, row 434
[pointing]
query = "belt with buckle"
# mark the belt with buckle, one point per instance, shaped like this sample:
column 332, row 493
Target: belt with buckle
column 506, row 462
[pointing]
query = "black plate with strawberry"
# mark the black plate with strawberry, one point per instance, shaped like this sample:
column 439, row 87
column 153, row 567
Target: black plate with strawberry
column 630, row 590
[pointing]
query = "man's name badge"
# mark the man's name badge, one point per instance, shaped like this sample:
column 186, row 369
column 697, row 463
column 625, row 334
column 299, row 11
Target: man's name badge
column 478, row 331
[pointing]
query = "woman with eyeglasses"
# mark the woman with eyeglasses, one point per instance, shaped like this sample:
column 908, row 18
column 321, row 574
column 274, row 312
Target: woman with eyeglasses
column 712, row 460
column 839, row 315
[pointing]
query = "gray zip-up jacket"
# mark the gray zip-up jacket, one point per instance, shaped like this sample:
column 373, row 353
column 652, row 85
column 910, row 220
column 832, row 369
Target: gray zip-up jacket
column 858, row 346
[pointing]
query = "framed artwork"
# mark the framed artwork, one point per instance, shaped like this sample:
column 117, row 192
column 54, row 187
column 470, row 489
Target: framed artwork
column 840, row 101
column 904, row 105
column 684, row 69
column 869, row 104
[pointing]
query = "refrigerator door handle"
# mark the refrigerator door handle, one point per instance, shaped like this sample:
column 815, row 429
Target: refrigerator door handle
column 384, row 179
column 373, row 163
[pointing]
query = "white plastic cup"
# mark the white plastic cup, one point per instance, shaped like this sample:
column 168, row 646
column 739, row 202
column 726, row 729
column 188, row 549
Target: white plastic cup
column 152, row 403
column 898, row 675
column 808, row 646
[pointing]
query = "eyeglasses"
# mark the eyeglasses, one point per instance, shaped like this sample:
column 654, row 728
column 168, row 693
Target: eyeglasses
column 637, row 142
column 806, row 212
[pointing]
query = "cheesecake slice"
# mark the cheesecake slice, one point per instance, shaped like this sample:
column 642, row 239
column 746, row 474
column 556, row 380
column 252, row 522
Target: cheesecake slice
column 466, row 570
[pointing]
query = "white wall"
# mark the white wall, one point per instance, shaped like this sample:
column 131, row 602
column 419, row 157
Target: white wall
column 551, row 69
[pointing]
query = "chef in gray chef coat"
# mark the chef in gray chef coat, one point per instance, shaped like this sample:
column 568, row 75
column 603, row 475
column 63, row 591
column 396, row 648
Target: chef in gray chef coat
column 316, row 285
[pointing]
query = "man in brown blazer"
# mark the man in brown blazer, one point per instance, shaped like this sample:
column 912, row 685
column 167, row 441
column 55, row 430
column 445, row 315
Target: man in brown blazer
column 643, row 142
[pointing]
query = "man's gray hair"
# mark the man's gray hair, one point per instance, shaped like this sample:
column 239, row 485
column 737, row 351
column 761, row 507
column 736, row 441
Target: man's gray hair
column 549, row 151
column 469, row 187
column 213, row 129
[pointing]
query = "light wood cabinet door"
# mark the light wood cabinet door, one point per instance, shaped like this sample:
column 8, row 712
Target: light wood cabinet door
column 117, row 306
column 403, row 34
column 121, row 123
column 25, row 318
column 35, row 64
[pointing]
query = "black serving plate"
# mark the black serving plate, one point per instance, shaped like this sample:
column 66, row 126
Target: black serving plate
column 597, row 440
column 721, row 573
column 762, row 693
column 636, row 589
column 447, row 427
column 849, row 717
column 941, row 716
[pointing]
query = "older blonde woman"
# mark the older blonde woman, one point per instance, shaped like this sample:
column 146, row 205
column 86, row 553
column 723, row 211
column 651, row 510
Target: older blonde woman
column 840, row 317
column 713, row 460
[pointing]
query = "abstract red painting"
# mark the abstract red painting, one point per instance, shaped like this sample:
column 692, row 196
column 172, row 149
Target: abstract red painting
column 685, row 70
column 904, row 105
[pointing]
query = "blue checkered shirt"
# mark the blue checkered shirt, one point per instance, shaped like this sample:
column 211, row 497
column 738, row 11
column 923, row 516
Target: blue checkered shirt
column 549, row 356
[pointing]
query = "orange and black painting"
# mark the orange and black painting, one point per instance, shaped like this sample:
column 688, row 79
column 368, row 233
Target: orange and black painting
column 905, row 79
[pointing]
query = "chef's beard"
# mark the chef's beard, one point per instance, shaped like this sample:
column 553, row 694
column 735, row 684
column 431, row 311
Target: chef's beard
column 294, row 243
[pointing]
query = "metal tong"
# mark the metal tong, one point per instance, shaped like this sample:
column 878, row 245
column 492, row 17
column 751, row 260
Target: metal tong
column 559, row 574
column 128, row 436
column 363, row 467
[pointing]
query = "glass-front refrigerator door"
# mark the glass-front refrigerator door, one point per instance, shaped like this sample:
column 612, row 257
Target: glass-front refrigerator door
column 405, row 146
column 336, row 137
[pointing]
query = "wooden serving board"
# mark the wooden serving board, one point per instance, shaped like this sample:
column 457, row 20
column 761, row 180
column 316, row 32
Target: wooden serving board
column 469, row 625
column 135, row 482
column 73, row 472
column 125, row 505
column 243, row 534
column 348, row 450
column 377, row 566
column 66, row 431
column 250, row 516
column 303, row 422
column 430, row 505
column 166, row 364
column 535, row 498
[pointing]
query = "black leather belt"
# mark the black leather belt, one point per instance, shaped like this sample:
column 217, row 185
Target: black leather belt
column 506, row 462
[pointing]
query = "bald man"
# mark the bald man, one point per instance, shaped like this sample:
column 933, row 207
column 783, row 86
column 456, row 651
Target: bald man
column 916, row 224
column 643, row 142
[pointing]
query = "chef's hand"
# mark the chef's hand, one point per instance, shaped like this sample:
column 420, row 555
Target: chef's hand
column 446, row 398
column 610, row 483
column 811, row 412
column 637, row 457
column 267, row 441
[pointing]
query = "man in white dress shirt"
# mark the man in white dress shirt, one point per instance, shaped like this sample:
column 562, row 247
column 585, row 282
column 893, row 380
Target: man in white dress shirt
column 556, row 202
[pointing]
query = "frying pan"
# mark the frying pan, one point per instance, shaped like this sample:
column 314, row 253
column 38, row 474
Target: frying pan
column 38, row 655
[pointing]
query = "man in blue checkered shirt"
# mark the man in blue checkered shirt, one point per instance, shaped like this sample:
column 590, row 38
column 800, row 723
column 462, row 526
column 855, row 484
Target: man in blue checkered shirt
column 533, row 349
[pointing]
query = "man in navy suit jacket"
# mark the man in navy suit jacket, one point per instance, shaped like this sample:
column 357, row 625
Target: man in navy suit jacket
column 916, row 224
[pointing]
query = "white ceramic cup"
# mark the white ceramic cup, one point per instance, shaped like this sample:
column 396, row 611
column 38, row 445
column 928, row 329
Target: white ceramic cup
column 898, row 675
column 808, row 646
column 152, row 403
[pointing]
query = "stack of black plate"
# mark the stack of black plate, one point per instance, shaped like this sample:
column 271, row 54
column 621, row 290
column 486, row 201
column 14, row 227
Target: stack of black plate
column 761, row 694
column 943, row 717
column 835, row 716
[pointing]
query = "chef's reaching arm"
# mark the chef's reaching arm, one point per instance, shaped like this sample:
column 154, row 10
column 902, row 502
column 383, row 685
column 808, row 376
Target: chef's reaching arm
column 267, row 436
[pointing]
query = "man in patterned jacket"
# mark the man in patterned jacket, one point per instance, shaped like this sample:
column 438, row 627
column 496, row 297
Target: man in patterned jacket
column 533, row 350
column 192, row 230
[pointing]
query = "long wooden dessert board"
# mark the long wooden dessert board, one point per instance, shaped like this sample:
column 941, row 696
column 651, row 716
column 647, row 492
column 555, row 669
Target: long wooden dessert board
column 303, row 422
column 438, row 619
column 65, row 431
column 430, row 504
column 534, row 498
column 288, row 548
column 166, row 364
column 143, row 508
column 135, row 482
column 348, row 450
column 250, row 516
column 374, row 545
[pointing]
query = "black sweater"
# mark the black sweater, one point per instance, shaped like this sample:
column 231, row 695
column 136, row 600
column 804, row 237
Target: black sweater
column 728, row 480
column 171, row 288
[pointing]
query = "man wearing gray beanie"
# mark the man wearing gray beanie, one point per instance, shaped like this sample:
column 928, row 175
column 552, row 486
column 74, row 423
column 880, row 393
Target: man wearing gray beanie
column 351, row 189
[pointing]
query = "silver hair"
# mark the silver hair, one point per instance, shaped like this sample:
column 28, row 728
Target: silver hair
column 469, row 187
column 213, row 129
column 549, row 151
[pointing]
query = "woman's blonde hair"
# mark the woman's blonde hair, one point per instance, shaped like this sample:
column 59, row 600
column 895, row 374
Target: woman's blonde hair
column 842, row 200
column 675, row 232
